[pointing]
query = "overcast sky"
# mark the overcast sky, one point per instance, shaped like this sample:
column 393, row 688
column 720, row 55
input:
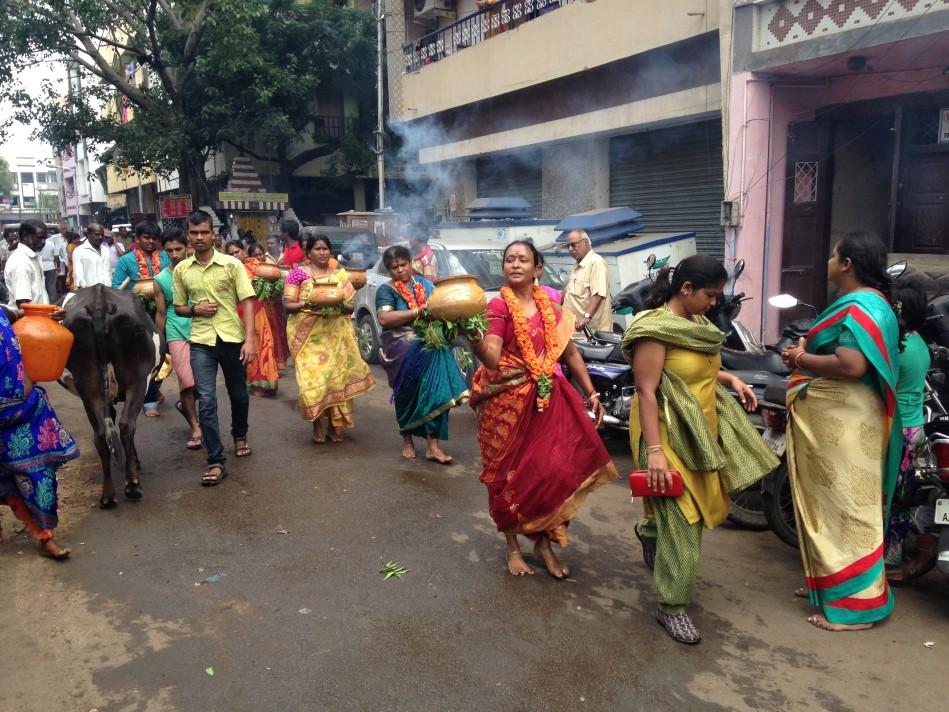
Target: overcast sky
column 19, row 143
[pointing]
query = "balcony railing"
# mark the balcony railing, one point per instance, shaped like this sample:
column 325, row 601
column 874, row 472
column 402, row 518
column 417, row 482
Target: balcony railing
column 333, row 126
column 479, row 27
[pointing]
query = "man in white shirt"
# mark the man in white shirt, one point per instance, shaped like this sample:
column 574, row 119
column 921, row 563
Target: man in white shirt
column 588, row 290
column 53, row 255
column 113, row 244
column 90, row 261
column 23, row 272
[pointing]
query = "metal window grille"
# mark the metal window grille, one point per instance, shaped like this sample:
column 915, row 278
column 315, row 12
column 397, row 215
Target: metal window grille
column 805, row 182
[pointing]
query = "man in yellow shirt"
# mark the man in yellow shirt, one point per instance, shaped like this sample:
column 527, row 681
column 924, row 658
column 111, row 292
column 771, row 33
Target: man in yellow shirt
column 588, row 291
column 208, row 287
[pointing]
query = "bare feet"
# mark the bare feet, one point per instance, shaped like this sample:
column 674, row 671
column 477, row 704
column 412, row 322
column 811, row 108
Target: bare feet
column 319, row 436
column 517, row 566
column 408, row 449
column 436, row 454
column 800, row 592
column 546, row 554
column 52, row 550
column 819, row 621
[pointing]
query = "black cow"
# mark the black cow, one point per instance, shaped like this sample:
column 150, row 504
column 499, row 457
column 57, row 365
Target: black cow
column 112, row 329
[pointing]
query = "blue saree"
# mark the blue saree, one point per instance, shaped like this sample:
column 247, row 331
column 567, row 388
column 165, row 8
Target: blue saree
column 426, row 383
column 35, row 443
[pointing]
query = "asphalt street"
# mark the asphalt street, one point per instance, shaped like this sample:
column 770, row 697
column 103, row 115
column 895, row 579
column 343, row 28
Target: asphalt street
column 266, row 594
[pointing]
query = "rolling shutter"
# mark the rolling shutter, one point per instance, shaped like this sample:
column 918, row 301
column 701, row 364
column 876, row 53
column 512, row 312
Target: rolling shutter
column 673, row 176
column 511, row 174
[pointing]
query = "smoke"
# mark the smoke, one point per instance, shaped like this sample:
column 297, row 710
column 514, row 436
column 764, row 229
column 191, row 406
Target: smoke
column 422, row 192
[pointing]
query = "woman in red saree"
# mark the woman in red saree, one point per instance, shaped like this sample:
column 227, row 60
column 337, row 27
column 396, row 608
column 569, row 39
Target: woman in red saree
column 542, row 455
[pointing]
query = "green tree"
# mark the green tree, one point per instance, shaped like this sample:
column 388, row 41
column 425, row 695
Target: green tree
column 6, row 179
column 243, row 72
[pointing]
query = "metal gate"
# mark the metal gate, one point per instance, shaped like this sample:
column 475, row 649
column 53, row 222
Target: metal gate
column 673, row 176
column 511, row 174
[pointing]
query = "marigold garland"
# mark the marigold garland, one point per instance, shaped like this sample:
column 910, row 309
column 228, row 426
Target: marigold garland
column 541, row 369
column 415, row 302
column 143, row 265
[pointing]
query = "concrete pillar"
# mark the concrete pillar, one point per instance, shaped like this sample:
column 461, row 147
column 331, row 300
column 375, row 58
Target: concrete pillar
column 359, row 195
column 575, row 177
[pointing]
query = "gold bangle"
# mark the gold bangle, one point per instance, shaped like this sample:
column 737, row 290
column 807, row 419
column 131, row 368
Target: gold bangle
column 653, row 448
column 797, row 360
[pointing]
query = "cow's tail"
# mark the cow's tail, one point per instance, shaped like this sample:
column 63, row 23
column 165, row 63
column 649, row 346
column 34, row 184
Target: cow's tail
column 102, row 347
column 100, row 336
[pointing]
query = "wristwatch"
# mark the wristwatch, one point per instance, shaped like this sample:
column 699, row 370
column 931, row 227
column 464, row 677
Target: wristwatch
column 587, row 315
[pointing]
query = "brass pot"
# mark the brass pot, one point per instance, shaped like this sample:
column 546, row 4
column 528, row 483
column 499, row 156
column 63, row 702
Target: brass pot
column 268, row 272
column 145, row 288
column 357, row 277
column 457, row 297
column 326, row 295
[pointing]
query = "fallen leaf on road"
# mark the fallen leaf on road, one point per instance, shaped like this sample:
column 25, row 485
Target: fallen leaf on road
column 392, row 568
column 209, row 671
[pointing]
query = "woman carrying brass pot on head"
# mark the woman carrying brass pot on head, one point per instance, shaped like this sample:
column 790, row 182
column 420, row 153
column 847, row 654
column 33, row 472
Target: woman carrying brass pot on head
column 426, row 382
column 329, row 369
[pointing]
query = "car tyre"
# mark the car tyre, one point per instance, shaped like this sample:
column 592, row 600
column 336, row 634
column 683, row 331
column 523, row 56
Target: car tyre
column 371, row 348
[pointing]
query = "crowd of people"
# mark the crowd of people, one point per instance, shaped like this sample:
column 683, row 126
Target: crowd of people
column 855, row 396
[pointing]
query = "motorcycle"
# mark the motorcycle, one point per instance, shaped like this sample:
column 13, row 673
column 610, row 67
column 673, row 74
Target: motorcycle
column 612, row 375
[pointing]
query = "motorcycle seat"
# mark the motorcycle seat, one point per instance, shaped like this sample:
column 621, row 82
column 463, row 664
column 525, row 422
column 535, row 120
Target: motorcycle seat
column 769, row 361
column 608, row 337
column 594, row 352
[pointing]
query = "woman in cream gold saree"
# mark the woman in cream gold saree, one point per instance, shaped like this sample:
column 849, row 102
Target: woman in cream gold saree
column 844, row 441
column 329, row 369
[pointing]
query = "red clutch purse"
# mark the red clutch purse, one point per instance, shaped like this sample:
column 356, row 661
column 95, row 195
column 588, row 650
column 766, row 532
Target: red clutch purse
column 639, row 485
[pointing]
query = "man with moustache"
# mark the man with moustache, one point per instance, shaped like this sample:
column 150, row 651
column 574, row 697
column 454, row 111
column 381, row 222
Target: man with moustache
column 90, row 260
column 143, row 262
column 588, row 290
column 207, row 287
column 23, row 273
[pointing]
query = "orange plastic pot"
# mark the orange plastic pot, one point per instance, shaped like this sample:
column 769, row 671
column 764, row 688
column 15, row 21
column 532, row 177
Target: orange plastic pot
column 45, row 343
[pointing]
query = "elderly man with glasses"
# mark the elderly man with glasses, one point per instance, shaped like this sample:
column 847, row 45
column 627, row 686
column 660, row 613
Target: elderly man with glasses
column 588, row 291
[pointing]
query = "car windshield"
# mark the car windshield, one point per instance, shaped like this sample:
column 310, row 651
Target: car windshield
column 358, row 250
column 486, row 265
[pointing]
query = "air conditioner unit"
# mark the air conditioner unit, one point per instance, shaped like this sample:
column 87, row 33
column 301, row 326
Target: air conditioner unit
column 430, row 9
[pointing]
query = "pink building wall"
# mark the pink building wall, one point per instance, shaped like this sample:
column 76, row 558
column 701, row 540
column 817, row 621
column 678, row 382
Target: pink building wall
column 759, row 112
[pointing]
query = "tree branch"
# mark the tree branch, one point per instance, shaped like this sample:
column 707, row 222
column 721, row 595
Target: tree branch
column 122, row 12
column 133, row 94
column 173, row 16
column 311, row 154
column 167, row 80
column 252, row 154
column 113, row 43
column 194, row 37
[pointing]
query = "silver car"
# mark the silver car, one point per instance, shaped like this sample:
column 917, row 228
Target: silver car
column 483, row 259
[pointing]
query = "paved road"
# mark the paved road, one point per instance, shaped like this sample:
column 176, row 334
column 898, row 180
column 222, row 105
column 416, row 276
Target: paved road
column 301, row 619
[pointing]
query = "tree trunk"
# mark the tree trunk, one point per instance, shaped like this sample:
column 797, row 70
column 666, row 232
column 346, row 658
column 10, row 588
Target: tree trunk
column 192, row 180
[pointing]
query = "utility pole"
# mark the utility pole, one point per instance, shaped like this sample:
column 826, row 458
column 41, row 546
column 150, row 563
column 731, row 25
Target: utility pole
column 380, row 124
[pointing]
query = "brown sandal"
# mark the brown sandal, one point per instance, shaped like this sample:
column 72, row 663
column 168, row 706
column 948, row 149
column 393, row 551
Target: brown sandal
column 241, row 450
column 212, row 478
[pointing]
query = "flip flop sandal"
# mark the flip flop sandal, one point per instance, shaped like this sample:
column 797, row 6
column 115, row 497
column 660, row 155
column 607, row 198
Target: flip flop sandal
column 649, row 549
column 210, row 479
column 195, row 443
column 679, row 627
column 242, row 451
